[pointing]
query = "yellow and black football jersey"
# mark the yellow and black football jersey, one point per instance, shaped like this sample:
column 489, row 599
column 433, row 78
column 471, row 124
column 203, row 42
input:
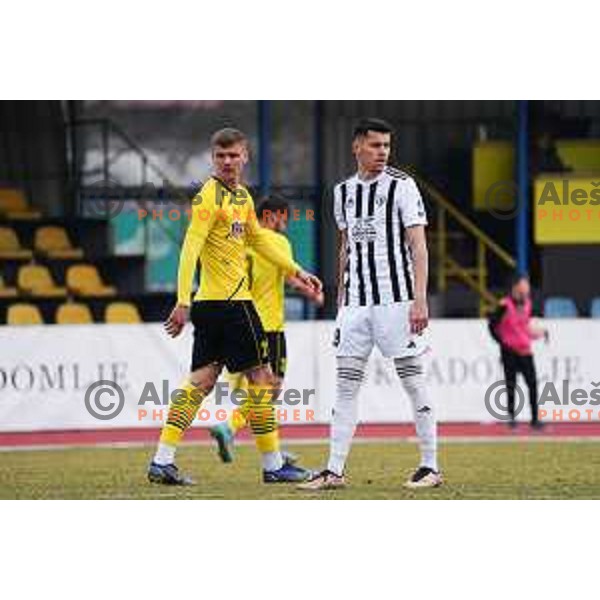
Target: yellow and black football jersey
column 223, row 226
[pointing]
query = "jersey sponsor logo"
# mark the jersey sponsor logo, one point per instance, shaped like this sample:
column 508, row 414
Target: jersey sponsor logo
column 364, row 230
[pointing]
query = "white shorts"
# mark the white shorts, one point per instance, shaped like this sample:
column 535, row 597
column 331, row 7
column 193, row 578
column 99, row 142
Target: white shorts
column 359, row 328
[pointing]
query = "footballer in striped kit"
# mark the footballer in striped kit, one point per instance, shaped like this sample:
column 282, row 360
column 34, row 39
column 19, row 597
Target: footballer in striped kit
column 382, row 296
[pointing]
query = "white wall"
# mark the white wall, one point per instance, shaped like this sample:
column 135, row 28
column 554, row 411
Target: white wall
column 46, row 370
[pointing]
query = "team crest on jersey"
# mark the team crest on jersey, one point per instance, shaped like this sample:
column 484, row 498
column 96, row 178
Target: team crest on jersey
column 350, row 202
column 380, row 201
column 237, row 230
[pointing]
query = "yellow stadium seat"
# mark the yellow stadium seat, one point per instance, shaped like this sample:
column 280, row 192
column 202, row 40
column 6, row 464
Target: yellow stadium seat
column 37, row 281
column 24, row 314
column 14, row 205
column 86, row 281
column 55, row 243
column 7, row 292
column 10, row 247
column 73, row 313
column 122, row 312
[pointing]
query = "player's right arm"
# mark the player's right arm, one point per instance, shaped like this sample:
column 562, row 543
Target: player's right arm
column 202, row 217
column 342, row 254
column 339, row 214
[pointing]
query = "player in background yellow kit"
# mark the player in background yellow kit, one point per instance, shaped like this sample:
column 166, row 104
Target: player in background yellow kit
column 267, row 287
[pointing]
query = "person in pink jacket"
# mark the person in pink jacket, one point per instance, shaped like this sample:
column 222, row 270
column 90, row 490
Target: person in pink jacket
column 511, row 327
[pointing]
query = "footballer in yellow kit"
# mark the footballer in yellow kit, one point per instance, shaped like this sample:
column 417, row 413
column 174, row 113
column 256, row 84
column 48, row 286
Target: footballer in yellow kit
column 267, row 287
column 227, row 329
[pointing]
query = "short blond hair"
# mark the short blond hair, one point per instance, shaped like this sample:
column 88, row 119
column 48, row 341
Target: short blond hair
column 226, row 137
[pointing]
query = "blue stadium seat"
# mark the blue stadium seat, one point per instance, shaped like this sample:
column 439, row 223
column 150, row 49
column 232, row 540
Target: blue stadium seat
column 595, row 308
column 560, row 308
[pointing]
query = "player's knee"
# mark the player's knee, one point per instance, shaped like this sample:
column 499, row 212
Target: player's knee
column 261, row 376
column 206, row 378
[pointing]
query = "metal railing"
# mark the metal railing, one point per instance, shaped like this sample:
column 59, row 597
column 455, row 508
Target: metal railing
column 474, row 276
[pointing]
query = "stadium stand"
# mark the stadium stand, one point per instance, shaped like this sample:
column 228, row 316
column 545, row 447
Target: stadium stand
column 73, row 313
column 85, row 280
column 560, row 308
column 37, row 280
column 7, row 292
column 24, row 314
column 10, row 247
column 122, row 312
column 13, row 205
column 54, row 242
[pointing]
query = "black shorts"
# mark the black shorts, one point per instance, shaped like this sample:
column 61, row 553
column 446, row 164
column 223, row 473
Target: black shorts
column 229, row 333
column 277, row 353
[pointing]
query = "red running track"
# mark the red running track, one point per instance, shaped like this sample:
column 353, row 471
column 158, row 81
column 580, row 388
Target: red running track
column 372, row 431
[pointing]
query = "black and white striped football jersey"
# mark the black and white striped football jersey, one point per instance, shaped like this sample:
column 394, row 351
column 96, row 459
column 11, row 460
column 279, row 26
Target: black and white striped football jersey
column 375, row 215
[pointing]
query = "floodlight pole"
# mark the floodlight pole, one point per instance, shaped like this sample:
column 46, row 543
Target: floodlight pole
column 522, row 220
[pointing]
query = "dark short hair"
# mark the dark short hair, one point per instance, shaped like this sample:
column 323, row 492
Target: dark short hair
column 227, row 137
column 363, row 127
column 272, row 204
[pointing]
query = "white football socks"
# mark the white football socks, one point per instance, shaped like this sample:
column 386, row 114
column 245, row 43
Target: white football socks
column 165, row 454
column 350, row 375
column 272, row 461
column 411, row 373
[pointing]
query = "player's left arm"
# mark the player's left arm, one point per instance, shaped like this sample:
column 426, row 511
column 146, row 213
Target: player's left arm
column 419, row 312
column 414, row 219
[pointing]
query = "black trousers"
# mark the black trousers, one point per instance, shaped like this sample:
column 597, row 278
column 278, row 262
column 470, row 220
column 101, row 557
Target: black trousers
column 513, row 364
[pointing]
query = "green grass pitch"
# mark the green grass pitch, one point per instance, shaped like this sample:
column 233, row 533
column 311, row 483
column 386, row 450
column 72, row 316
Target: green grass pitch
column 517, row 469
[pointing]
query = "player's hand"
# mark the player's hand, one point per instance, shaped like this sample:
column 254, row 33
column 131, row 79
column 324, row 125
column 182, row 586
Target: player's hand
column 418, row 315
column 177, row 319
column 310, row 280
column 318, row 299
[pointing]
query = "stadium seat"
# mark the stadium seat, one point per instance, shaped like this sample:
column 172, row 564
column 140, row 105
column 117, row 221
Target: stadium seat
column 7, row 292
column 13, row 205
column 560, row 308
column 10, row 247
column 122, row 312
column 73, row 313
column 55, row 243
column 24, row 314
column 595, row 308
column 86, row 281
column 37, row 281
